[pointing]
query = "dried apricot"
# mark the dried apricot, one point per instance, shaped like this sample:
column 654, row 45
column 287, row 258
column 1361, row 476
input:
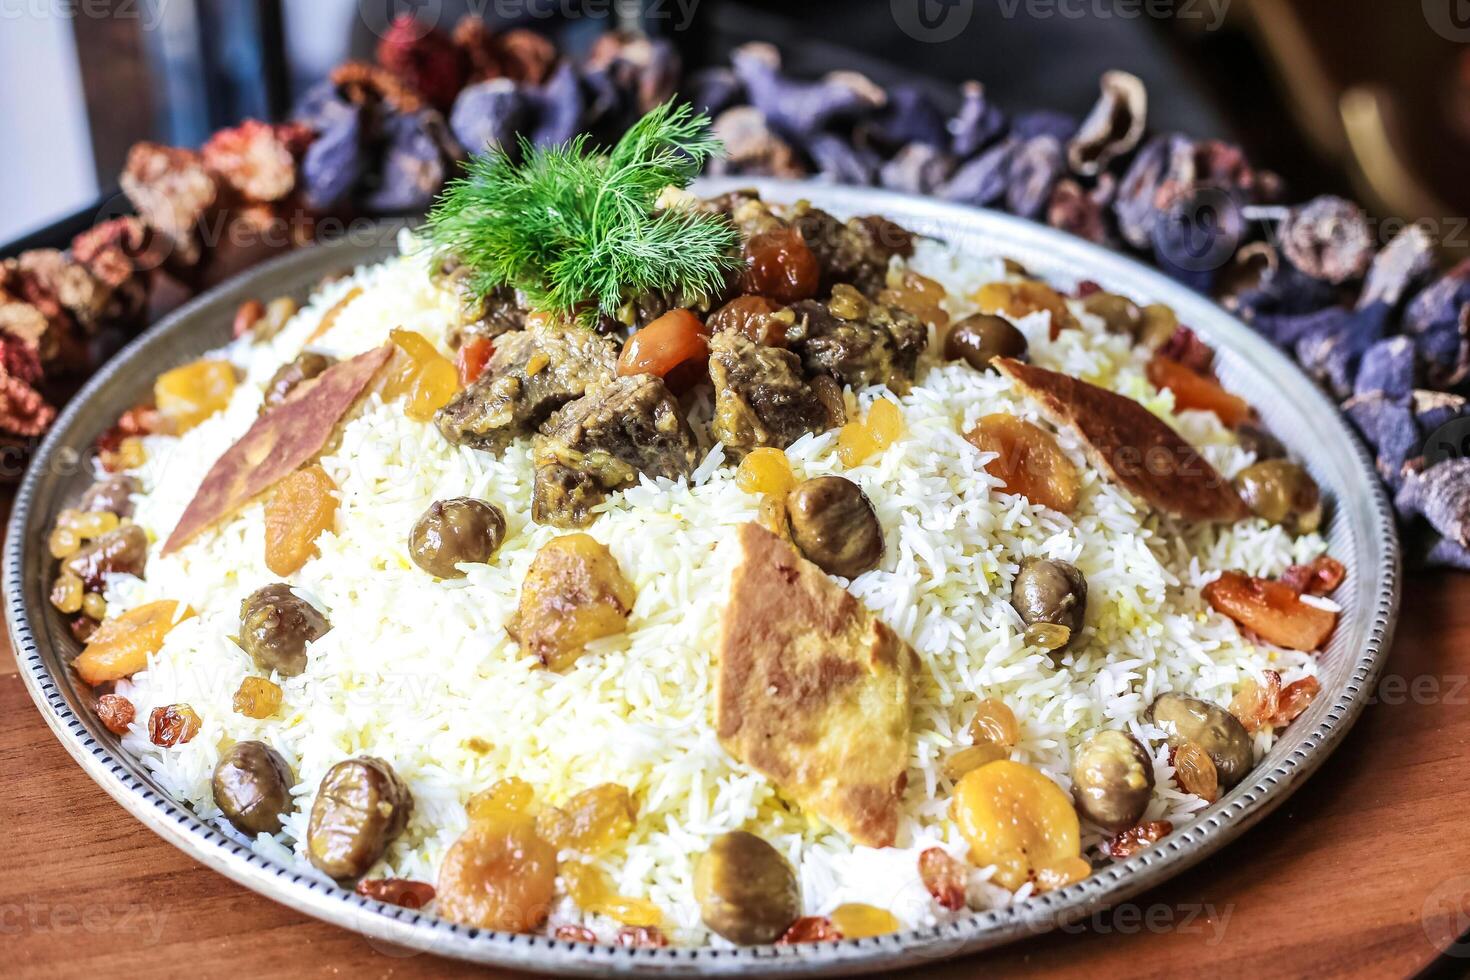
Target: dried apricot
column 575, row 592
column 1016, row 818
column 505, row 797
column 765, row 471
column 1018, row 299
column 1028, row 461
column 1134, row 839
column 429, row 379
column 591, row 822
column 397, row 891
column 116, row 712
column 257, row 697
column 944, row 877
column 190, row 394
column 1195, row 771
column 1196, row 391
column 303, row 505
column 500, row 874
column 120, row 647
column 1272, row 610
column 858, row 921
column 173, row 724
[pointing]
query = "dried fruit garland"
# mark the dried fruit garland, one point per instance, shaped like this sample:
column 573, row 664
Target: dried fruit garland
column 1383, row 329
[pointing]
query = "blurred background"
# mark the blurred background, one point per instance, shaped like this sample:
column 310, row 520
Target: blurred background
column 1360, row 97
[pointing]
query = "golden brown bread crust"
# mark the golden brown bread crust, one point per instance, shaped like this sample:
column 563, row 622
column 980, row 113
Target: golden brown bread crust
column 1131, row 445
column 813, row 691
column 277, row 444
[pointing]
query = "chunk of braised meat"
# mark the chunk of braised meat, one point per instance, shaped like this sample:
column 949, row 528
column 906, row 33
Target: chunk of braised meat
column 762, row 320
column 502, row 310
column 857, row 251
column 113, row 494
column 858, row 341
column 531, row 374
column 761, row 399
column 602, row 441
column 120, row 552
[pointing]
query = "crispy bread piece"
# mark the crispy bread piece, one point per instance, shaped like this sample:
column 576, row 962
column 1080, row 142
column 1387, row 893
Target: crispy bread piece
column 813, row 691
column 278, row 443
column 1131, row 445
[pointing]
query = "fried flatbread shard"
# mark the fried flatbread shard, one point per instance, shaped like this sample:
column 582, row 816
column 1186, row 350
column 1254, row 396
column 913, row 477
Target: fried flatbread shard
column 277, row 444
column 813, row 691
column 1134, row 447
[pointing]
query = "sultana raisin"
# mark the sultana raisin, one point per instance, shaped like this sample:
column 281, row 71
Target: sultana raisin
column 1135, row 839
column 996, row 723
column 858, row 921
column 810, row 929
column 173, row 724
column 1195, row 771
column 765, row 471
column 591, row 822
column 971, row 757
column 1296, row 697
column 397, row 891
column 505, row 796
column 116, row 712
column 257, row 697
column 1256, row 704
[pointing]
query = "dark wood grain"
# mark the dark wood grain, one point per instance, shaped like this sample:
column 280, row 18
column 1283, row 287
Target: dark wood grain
column 1364, row 872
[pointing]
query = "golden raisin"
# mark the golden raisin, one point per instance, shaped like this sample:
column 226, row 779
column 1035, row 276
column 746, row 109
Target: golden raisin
column 996, row 723
column 95, row 606
column 1047, row 636
column 956, row 764
column 190, row 394
column 858, row 921
column 303, row 505
column 67, row 593
column 1195, row 771
column 257, row 697
column 1016, row 818
column 593, row 891
column 506, row 796
column 855, row 443
column 1019, row 299
column 88, row 524
column 885, row 423
column 397, row 891
column 1296, row 697
column 862, row 438
column 116, row 712
column 172, row 724
column 1254, row 705
column 591, row 822
column 1028, row 461
column 918, row 295
column 63, row 543
column 765, row 471
column 944, row 877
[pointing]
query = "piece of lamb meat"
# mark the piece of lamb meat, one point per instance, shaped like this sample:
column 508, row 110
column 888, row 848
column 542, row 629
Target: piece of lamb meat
column 858, row 341
column 531, row 374
column 602, row 442
column 761, row 398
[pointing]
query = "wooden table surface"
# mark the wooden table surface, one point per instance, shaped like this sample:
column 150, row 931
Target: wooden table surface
column 1365, row 871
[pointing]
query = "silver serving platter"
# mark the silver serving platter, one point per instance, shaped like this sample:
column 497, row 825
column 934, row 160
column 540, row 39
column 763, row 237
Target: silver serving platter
column 1360, row 531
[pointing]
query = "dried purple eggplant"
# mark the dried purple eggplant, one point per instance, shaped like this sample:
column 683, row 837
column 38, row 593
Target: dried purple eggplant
column 1332, row 353
column 751, row 147
column 918, row 168
column 976, row 125
column 1433, row 409
column 559, row 107
column 1445, row 348
column 1399, row 268
column 1441, row 301
column 1035, row 168
column 417, row 154
column 334, row 163
column 1389, row 427
column 1285, row 292
column 982, row 181
column 797, row 107
column 648, row 67
column 1044, row 122
column 1388, row 366
column 1195, row 237
column 1441, row 552
column 1328, row 238
column 911, row 116
column 611, row 96
column 713, row 90
column 1080, row 211
column 1113, row 127
column 1138, row 203
column 838, row 160
column 1441, row 495
column 488, row 115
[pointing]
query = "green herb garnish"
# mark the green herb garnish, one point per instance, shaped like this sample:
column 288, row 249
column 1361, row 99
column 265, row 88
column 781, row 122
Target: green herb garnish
column 577, row 230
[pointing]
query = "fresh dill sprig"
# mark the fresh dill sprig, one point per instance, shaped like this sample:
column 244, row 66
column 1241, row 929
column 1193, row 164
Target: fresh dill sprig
column 578, row 230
